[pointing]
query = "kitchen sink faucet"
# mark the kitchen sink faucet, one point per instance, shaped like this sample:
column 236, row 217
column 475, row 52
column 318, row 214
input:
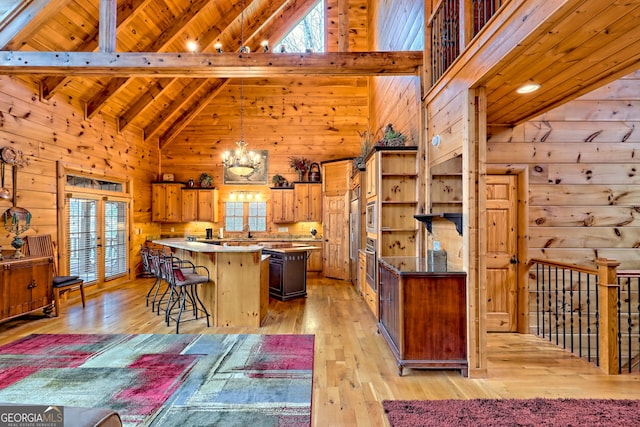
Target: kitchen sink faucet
column 247, row 228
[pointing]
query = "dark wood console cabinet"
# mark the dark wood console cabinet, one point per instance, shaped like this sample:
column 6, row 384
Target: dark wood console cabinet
column 25, row 286
column 422, row 313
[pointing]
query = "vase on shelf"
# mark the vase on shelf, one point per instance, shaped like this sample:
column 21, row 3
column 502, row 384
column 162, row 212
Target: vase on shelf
column 301, row 174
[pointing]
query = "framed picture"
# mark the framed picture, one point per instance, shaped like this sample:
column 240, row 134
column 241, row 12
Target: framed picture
column 259, row 176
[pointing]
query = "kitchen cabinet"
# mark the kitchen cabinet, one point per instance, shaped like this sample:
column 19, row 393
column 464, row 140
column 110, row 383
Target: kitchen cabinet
column 166, row 202
column 308, row 201
column 26, row 286
column 282, row 205
column 199, row 204
column 371, row 176
column 314, row 259
column 422, row 313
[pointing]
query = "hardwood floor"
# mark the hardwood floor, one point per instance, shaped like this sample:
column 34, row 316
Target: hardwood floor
column 354, row 369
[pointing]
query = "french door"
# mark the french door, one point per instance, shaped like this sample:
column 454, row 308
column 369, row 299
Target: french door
column 97, row 237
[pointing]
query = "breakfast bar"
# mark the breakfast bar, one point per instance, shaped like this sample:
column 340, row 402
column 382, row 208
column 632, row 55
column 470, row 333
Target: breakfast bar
column 238, row 293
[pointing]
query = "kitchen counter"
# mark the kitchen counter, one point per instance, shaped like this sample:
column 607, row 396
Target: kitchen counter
column 203, row 246
column 238, row 291
column 418, row 266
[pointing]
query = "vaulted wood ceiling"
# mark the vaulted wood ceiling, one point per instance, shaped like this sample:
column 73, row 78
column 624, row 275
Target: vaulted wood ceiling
column 569, row 46
column 114, row 77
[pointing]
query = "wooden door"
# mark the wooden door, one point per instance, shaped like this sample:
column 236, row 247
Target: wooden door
column 502, row 236
column 336, row 237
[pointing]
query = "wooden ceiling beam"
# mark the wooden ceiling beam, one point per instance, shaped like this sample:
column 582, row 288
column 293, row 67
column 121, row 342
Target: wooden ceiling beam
column 207, row 40
column 164, row 39
column 126, row 10
column 207, row 65
column 25, row 19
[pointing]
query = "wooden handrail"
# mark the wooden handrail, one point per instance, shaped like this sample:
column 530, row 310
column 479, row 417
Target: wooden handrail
column 574, row 267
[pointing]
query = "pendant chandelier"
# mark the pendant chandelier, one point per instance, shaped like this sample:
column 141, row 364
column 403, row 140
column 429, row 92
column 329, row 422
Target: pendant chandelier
column 241, row 161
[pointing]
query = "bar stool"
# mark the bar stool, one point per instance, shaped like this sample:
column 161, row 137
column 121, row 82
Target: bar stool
column 183, row 290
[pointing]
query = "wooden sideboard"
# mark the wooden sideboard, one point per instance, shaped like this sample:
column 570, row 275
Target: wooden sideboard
column 26, row 286
column 422, row 313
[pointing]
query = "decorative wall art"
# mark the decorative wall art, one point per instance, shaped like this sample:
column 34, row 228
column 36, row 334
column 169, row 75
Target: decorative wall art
column 259, row 176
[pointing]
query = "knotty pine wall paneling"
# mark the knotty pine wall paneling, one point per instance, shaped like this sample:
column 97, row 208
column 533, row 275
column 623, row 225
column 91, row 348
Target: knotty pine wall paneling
column 584, row 178
column 55, row 131
column 315, row 117
column 346, row 26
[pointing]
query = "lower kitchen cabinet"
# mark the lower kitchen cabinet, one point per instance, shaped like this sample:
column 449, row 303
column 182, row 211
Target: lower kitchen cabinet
column 422, row 313
column 287, row 274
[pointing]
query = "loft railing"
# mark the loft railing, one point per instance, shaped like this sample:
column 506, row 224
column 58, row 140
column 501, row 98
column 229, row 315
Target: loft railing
column 594, row 313
column 628, row 320
column 448, row 36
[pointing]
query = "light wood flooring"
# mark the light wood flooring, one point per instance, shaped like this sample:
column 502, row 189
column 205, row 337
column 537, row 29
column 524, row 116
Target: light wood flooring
column 354, row 369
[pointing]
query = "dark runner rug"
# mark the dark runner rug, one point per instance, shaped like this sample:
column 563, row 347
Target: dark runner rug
column 513, row 412
column 166, row 380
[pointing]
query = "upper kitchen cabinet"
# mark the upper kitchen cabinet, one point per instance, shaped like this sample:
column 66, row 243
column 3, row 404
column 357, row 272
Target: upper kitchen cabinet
column 308, row 201
column 199, row 204
column 282, row 205
column 166, row 202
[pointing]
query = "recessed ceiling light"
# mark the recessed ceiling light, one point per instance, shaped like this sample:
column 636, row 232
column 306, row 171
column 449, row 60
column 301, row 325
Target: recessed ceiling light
column 528, row 88
column 192, row 46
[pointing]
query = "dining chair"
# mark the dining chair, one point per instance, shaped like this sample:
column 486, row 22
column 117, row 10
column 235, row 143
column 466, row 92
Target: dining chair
column 42, row 245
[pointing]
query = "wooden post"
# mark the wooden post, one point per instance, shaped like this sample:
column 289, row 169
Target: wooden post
column 608, row 314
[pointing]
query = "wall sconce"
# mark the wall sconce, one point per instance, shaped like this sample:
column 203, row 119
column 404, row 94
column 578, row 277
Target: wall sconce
column 245, row 196
column 265, row 45
column 245, row 49
column 218, row 47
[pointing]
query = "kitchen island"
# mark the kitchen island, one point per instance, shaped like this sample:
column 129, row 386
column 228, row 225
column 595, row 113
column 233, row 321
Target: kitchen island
column 287, row 269
column 238, row 293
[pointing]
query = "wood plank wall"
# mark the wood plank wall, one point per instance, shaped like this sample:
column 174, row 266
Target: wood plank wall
column 315, row 117
column 584, row 177
column 346, row 25
column 398, row 25
column 55, row 131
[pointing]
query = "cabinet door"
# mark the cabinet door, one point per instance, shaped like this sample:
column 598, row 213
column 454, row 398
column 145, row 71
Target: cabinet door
column 282, row 206
column 314, row 261
column 301, row 195
column 189, row 210
column 42, row 281
column 275, row 278
column 208, row 205
column 389, row 310
column 315, row 202
column 166, row 202
column 18, row 279
column 372, row 176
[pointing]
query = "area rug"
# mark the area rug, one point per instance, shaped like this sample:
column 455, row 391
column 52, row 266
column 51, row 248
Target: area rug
column 513, row 412
column 166, row 380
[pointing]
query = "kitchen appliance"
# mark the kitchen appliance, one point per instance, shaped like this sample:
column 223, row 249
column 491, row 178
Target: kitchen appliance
column 371, row 263
column 209, row 233
column 354, row 235
column 370, row 217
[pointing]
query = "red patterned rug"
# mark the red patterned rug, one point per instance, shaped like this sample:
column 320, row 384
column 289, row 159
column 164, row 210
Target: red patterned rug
column 166, row 380
column 513, row 412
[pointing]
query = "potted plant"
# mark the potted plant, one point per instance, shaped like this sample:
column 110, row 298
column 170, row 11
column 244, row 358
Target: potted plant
column 278, row 180
column 392, row 138
column 366, row 143
column 300, row 164
column 205, row 180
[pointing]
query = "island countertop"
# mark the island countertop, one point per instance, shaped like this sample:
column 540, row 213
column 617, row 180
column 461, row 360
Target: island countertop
column 201, row 247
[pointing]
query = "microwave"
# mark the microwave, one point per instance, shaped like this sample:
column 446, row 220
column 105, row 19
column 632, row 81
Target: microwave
column 370, row 218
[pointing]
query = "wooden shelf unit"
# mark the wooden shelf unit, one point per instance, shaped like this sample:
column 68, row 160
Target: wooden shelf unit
column 395, row 189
